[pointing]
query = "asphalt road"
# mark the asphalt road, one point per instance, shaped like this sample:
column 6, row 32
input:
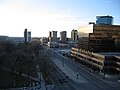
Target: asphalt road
column 92, row 83
column 56, row 75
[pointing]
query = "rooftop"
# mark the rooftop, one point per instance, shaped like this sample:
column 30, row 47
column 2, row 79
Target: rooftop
column 104, row 16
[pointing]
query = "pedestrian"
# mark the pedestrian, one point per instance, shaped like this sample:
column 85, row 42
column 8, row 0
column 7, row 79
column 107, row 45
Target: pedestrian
column 77, row 75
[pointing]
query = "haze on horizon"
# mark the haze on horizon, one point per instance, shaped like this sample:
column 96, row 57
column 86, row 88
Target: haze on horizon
column 42, row 16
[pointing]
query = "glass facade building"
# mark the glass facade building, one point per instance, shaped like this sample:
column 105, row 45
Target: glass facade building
column 104, row 20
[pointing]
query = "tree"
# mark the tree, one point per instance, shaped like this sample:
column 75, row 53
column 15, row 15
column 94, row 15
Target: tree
column 19, row 59
column 45, row 62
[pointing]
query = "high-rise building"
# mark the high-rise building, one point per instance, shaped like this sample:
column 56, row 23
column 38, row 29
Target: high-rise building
column 104, row 20
column 74, row 35
column 105, row 38
column 27, row 36
column 53, row 36
column 50, row 33
column 63, row 37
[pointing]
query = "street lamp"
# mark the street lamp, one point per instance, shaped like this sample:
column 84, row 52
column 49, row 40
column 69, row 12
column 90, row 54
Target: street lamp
column 63, row 62
column 77, row 64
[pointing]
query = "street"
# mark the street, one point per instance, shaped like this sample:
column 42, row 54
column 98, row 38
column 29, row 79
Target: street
column 83, row 81
column 60, row 86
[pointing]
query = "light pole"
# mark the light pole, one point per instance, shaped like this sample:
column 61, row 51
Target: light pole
column 76, row 65
column 63, row 62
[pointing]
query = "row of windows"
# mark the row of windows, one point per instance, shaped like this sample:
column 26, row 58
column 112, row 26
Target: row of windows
column 106, row 31
column 91, row 60
column 90, row 54
column 73, row 49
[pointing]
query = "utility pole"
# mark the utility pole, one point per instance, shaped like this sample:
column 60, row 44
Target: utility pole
column 63, row 62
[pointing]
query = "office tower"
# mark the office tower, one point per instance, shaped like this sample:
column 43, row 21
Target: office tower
column 50, row 33
column 28, row 36
column 49, row 37
column 105, row 38
column 74, row 35
column 104, row 20
column 25, row 35
column 53, row 36
column 63, row 37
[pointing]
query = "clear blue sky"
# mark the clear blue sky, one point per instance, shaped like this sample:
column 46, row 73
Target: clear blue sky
column 42, row 16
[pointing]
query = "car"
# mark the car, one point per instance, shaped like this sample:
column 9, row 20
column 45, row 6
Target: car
column 61, row 80
column 66, row 77
column 65, row 80
column 118, row 81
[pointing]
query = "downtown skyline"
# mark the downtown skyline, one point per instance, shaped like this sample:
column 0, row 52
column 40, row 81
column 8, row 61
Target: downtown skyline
column 40, row 17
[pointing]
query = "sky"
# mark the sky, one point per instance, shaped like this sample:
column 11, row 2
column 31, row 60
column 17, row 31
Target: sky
column 42, row 16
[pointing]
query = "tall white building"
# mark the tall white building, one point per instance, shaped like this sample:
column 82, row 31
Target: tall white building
column 74, row 35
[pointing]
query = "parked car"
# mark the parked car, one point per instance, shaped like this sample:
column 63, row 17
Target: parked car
column 66, row 77
column 65, row 80
column 61, row 80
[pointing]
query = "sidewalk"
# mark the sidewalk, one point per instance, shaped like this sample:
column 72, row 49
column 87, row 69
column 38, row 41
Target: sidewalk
column 40, row 86
column 40, row 77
